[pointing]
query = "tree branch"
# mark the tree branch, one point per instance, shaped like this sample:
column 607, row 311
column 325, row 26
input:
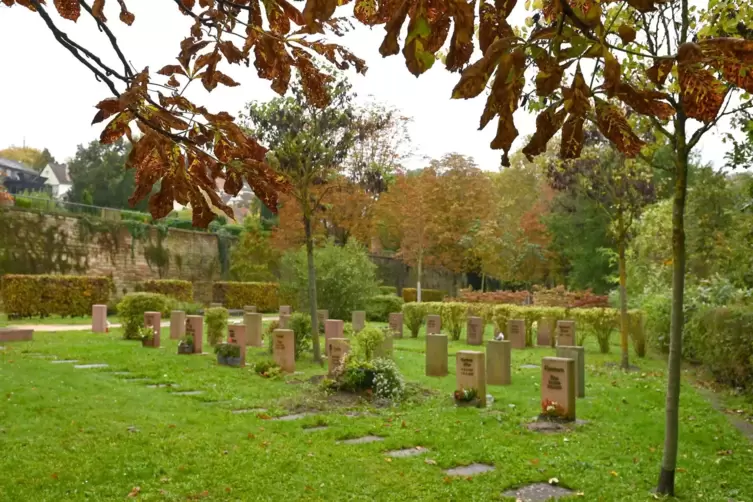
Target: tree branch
column 113, row 41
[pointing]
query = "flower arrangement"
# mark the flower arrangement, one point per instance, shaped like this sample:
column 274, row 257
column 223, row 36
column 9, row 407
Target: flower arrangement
column 186, row 345
column 552, row 409
column 228, row 354
column 267, row 369
column 146, row 333
column 465, row 395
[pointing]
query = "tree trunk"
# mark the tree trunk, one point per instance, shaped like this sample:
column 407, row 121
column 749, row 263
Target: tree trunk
column 483, row 282
column 666, row 484
column 419, row 271
column 312, row 289
column 625, row 362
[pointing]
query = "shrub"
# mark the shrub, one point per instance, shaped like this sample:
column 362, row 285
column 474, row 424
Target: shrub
column 602, row 322
column 180, row 290
column 367, row 341
column 724, row 345
column 300, row 323
column 345, row 278
column 657, row 309
column 236, row 295
column 267, row 369
column 380, row 376
column 427, row 295
column 560, row 297
column 269, row 331
column 498, row 297
column 636, row 332
column 413, row 317
column 132, row 307
column 43, row 295
column 379, row 308
column 190, row 308
column 454, row 316
column 387, row 290
column 216, row 319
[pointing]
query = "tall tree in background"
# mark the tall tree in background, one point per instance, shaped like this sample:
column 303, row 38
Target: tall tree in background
column 307, row 146
column 253, row 257
column 99, row 176
column 30, row 157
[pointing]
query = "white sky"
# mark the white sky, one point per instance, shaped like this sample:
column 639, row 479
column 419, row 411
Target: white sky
column 47, row 97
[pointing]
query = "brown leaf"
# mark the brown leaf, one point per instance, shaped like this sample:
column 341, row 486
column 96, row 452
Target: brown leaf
column 645, row 102
column 313, row 81
column 733, row 58
column 161, row 203
column 626, row 33
column 644, row 6
column 366, row 11
column 572, row 137
column 576, row 97
column 548, row 122
column 125, row 16
column 116, row 128
column 473, row 80
column 68, row 9
column 549, row 76
column 232, row 53
column 659, row 72
column 278, row 21
column 507, row 87
column 134, row 492
column 614, row 126
column 702, row 94
column 488, row 24
column 390, row 45
column 461, row 42
column 171, row 70
column 612, row 73
column 98, row 10
column 319, row 10
column 505, row 7
column 107, row 108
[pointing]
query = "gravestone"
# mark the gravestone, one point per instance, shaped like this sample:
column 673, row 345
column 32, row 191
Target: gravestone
column 249, row 309
column 16, row 335
column 337, row 348
column 99, row 318
column 195, row 328
column 436, row 355
column 359, row 320
column 558, row 385
column 333, row 328
column 283, row 348
column 321, row 317
column 577, row 354
column 516, row 333
column 566, row 333
column 396, row 324
column 470, row 373
column 177, row 324
column 475, row 331
column 153, row 320
column 254, row 329
column 236, row 335
column 498, row 362
column 433, row 324
column 286, row 310
column 384, row 349
column 283, row 321
column 544, row 332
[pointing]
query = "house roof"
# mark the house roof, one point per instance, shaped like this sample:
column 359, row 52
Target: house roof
column 61, row 173
column 16, row 166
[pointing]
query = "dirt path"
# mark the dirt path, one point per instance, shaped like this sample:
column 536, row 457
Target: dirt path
column 740, row 424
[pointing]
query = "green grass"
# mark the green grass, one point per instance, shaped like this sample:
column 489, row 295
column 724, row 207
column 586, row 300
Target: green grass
column 64, row 432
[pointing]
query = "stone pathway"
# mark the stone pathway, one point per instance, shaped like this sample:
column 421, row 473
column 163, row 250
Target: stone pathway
column 538, row 492
column 407, row 452
column 362, row 440
column 91, row 366
column 469, row 470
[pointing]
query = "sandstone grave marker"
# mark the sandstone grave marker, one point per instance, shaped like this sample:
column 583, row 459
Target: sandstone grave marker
column 516, row 333
column 195, row 328
column 337, row 348
column 283, row 347
column 396, row 324
column 253, row 322
column 153, row 320
column 498, row 362
column 177, row 324
column 99, row 318
column 544, row 332
column 578, row 354
column 470, row 373
column 436, row 355
column 433, row 324
column 566, row 333
column 475, row 331
column 359, row 320
column 236, row 335
column 558, row 386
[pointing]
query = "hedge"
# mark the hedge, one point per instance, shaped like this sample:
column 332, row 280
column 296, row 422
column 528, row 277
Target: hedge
column 64, row 295
column 236, row 295
column 379, row 308
column 427, row 295
column 132, row 307
column 497, row 297
column 561, row 297
column 180, row 290
column 387, row 290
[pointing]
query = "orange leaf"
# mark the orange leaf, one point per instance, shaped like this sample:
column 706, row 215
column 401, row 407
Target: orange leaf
column 134, row 492
column 702, row 94
column 659, row 72
column 97, row 10
column 116, row 128
column 626, row 33
column 614, row 126
column 572, row 137
column 68, row 9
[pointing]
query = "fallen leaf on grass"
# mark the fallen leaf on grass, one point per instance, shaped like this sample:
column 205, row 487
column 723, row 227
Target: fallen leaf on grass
column 447, row 480
column 251, row 435
column 164, row 480
column 54, row 475
column 614, row 473
column 724, row 452
column 134, row 492
column 387, row 459
column 554, row 481
column 403, row 425
column 680, row 469
column 430, row 461
column 263, row 416
column 534, row 461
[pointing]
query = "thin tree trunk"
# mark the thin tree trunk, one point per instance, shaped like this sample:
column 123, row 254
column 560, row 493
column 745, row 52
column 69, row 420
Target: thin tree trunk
column 419, row 271
column 666, row 484
column 483, row 282
column 625, row 362
column 312, row 288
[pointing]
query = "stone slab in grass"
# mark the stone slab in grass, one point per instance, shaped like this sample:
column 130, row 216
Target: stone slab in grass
column 288, row 418
column 91, row 366
column 188, row 393
column 121, row 373
column 362, row 440
column 407, row 452
column 315, row 428
column 162, row 385
column 64, row 361
column 538, row 492
column 529, row 366
column 469, row 470
column 248, row 410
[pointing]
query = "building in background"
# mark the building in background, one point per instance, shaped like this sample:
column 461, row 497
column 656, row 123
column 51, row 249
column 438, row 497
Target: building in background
column 17, row 178
column 58, row 179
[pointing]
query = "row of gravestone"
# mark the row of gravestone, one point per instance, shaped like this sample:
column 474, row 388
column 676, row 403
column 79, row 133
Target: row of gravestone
column 562, row 378
column 516, row 331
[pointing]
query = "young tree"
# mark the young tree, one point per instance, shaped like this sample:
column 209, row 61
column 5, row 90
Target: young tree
column 307, row 146
column 253, row 257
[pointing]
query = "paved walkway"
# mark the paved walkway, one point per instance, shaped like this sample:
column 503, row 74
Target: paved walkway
column 87, row 327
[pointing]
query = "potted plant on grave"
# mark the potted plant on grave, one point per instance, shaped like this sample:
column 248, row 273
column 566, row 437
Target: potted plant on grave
column 186, row 345
column 466, row 397
column 228, row 354
column 147, row 336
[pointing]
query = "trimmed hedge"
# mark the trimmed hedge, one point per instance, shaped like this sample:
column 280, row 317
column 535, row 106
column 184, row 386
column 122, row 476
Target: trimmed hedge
column 427, row 295
column 236, row 295
column 387, row 290
column 64, row 295
column 132, row 307
column 216, row 319
column 379, row 308
column 180, row 290
column 497, row 297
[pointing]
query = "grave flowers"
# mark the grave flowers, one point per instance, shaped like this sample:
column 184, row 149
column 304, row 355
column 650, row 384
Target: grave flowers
column 147, row 336
column 466, row 397
column 228, row 354
column 186, row 345
column 552, row 409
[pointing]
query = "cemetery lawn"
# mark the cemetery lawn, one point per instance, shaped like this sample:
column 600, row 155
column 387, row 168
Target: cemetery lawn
column 94, row 434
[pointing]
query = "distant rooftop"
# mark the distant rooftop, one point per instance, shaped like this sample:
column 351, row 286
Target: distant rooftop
column 17, row 166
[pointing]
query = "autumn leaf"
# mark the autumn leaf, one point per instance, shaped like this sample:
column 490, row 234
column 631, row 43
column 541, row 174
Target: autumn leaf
column 702, row 94
column 68, row 9
column 116, row 128
column 548, row 122
column 97, row 10
column 390, row 45
column 659, row 72
column 473, row 80
column 134, row 492
column 488, row 25
column 125, row 16
column 549, row 77
column 461, row 42
column 107, row 108
column 626, row 33
column 614, row 126
column 732, row 57
column 572, row 137
column 645, row 102
column 172, row 69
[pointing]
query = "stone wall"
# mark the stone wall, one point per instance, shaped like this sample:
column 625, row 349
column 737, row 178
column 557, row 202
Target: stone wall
column 35, row 243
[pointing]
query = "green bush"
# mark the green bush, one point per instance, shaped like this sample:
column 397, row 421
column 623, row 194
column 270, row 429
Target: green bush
column 637, row 332
column 657, row 309
column 236, row 295
column 267, row 369
column 413, row 317
column 132, row 307
column 216, row 319
column 380, row 376
column 300, row 323
column 180, row 290
column 43, row 295
column 190, row 308
column 269, row 331
column 345, row 278
column 454, row 318
column 427, row 295
column 723, row 340
column 600, row 321
column 367, row 341
column 379, row 308
column 387, row 290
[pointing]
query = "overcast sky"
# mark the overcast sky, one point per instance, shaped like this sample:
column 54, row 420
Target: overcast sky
column 48, row 97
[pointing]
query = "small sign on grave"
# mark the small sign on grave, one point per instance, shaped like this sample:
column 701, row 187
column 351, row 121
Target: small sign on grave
column 283, row 348
column 470, row 375
column 433, row 324
column 558, row 388
column 396, row 324
column 516, row 331
column 566, row 333
column 286, row 310
column 475, row 331
column 337, row 348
